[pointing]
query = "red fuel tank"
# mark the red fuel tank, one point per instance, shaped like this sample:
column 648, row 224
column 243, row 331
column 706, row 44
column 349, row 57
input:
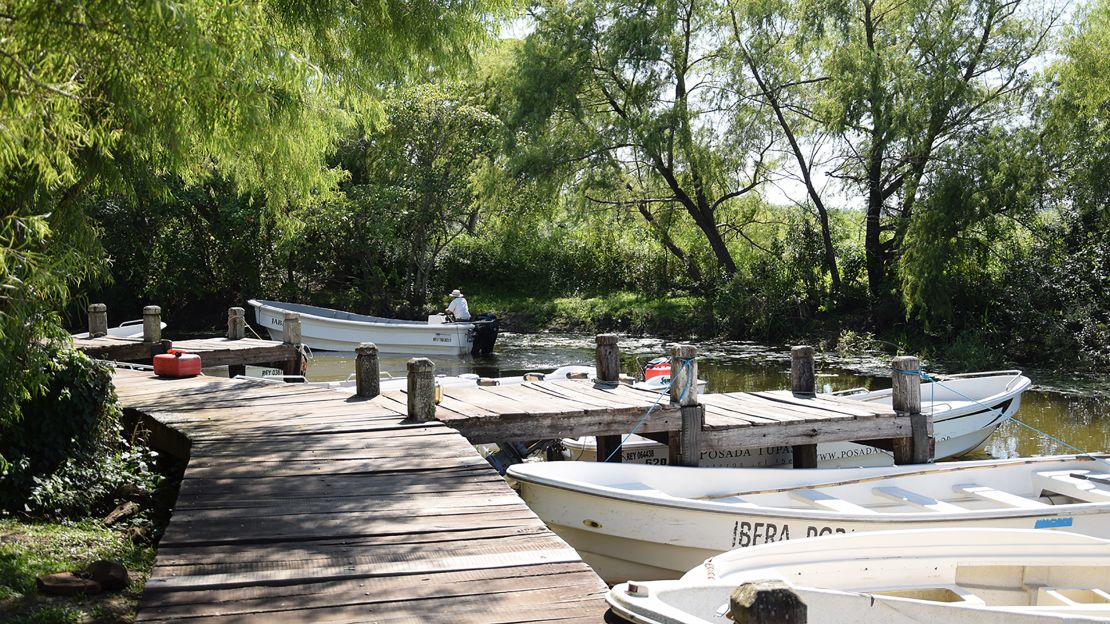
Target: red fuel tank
column 177, row 364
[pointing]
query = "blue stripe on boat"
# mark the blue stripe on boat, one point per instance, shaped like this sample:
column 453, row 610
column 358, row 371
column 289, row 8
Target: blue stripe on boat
column 1052, row 523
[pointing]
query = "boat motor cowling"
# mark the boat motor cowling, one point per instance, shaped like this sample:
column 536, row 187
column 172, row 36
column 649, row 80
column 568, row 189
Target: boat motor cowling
column 486, row 327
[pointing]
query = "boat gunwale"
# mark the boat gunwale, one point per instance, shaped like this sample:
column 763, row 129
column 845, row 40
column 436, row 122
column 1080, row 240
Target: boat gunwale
column 707, row 505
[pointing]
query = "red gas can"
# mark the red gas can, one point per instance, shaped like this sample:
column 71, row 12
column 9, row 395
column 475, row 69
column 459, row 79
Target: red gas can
column 177, row 363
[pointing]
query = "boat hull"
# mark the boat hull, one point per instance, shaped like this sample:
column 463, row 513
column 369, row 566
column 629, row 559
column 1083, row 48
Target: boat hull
column 321, row 333
column 628, row 530
column 958, row 429
column 985, row 576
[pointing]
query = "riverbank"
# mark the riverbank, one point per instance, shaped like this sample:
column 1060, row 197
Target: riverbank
column 691, row 318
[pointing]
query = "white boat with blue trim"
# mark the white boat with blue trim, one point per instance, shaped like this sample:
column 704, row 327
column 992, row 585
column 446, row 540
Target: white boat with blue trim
column 325, row 329
column 979, row 576
column 654, row 522
column 966, row 409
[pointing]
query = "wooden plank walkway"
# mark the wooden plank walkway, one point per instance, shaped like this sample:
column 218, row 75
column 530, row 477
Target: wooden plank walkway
column 574, row 408
column 301, row 504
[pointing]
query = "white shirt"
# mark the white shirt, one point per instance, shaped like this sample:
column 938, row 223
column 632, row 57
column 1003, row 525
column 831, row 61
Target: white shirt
column 459, row 308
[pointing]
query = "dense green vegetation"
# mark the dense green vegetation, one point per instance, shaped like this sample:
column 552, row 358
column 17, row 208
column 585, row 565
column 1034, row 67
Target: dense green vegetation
column 932, row 172
column 752, row 169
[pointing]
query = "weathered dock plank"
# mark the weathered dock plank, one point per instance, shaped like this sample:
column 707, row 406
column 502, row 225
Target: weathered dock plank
column 305, row 505
column 574, row 408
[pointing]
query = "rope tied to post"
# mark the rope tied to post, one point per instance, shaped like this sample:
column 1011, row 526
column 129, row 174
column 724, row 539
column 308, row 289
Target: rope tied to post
column 687, row 365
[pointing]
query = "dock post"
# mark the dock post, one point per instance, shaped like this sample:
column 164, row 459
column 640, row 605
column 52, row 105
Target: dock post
column 236, row 323
column 906, row 400
column 422, row 390
column 803, row 372
column 98, row 320
column 766, row 602
column 608, row 365
column 236, row 330
column 803, row 384
column 291, row 334
column 367, row 370
column 685, row 444
column 152, row 324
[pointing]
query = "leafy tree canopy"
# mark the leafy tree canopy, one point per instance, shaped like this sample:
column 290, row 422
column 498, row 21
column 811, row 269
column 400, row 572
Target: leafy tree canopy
column 102, row 94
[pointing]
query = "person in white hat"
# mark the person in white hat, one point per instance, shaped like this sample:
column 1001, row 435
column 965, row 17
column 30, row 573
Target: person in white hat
column 458, row 310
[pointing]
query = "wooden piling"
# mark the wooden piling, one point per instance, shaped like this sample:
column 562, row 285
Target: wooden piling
column 803, row 372
column 766, row 602
column 607, row 359
column 685, row 445
column 291, row 334
column 803, row 384
column 367, row 371
column 98, row 320
column 291, row 328
column 236, row 330
column 906, row 400
column 236, row 324
column 421, row 390
column 152, row 324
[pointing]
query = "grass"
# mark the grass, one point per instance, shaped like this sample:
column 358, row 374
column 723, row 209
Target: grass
column 30, row 549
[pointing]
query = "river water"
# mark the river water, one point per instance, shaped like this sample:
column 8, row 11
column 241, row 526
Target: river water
column 1074, row 412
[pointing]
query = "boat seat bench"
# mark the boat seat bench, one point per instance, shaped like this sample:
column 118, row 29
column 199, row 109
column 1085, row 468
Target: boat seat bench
column 830, row 502
column 917, row 500
column 998, row 496
column 1071, row 483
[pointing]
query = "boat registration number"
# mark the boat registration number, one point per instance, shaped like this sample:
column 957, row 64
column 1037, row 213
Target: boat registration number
column 754, row 533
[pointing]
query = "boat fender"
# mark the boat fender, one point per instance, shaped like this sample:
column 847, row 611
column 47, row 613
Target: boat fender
column 177, row 363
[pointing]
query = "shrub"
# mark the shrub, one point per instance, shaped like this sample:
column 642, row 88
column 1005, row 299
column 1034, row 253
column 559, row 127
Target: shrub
column 66, row 455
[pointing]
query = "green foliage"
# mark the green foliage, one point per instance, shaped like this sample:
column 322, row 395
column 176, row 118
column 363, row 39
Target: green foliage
column 629, row 312
column 66, row 455
column 127, row 100
column 194, row 250
column 412, row 191
column 630, row 107
column 28, row 550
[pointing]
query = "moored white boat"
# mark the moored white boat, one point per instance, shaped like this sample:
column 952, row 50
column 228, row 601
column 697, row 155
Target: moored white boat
column 966, row 410
column 980, row 576
column 654, row 522
column 325, row 329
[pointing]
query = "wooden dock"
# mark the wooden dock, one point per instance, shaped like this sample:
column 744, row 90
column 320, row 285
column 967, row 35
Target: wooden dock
column 574, row 408
column 301, row 504
column 233, row 350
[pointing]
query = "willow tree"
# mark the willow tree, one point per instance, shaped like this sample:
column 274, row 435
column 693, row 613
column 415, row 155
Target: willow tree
column 95, row 93
column 891, row 83
column 631, row 105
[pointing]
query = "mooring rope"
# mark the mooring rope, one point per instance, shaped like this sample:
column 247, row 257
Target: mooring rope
column 687, row 367
column 926, row 377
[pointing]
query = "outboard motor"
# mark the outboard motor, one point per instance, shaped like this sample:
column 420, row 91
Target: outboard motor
column 486, row 327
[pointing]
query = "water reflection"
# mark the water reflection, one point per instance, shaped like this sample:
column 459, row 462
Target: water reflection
column 1077, row 418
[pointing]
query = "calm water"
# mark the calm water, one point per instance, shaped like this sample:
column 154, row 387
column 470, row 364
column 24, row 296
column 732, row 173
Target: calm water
column 1076, row 413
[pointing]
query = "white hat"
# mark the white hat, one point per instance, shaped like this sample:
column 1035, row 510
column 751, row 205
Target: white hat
column 456, row 293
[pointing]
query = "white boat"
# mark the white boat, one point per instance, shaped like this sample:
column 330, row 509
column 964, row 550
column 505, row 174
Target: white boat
column 966, row 410
column 325, row 329
column 126, row 329
column 632, row 521
column 980, row 576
